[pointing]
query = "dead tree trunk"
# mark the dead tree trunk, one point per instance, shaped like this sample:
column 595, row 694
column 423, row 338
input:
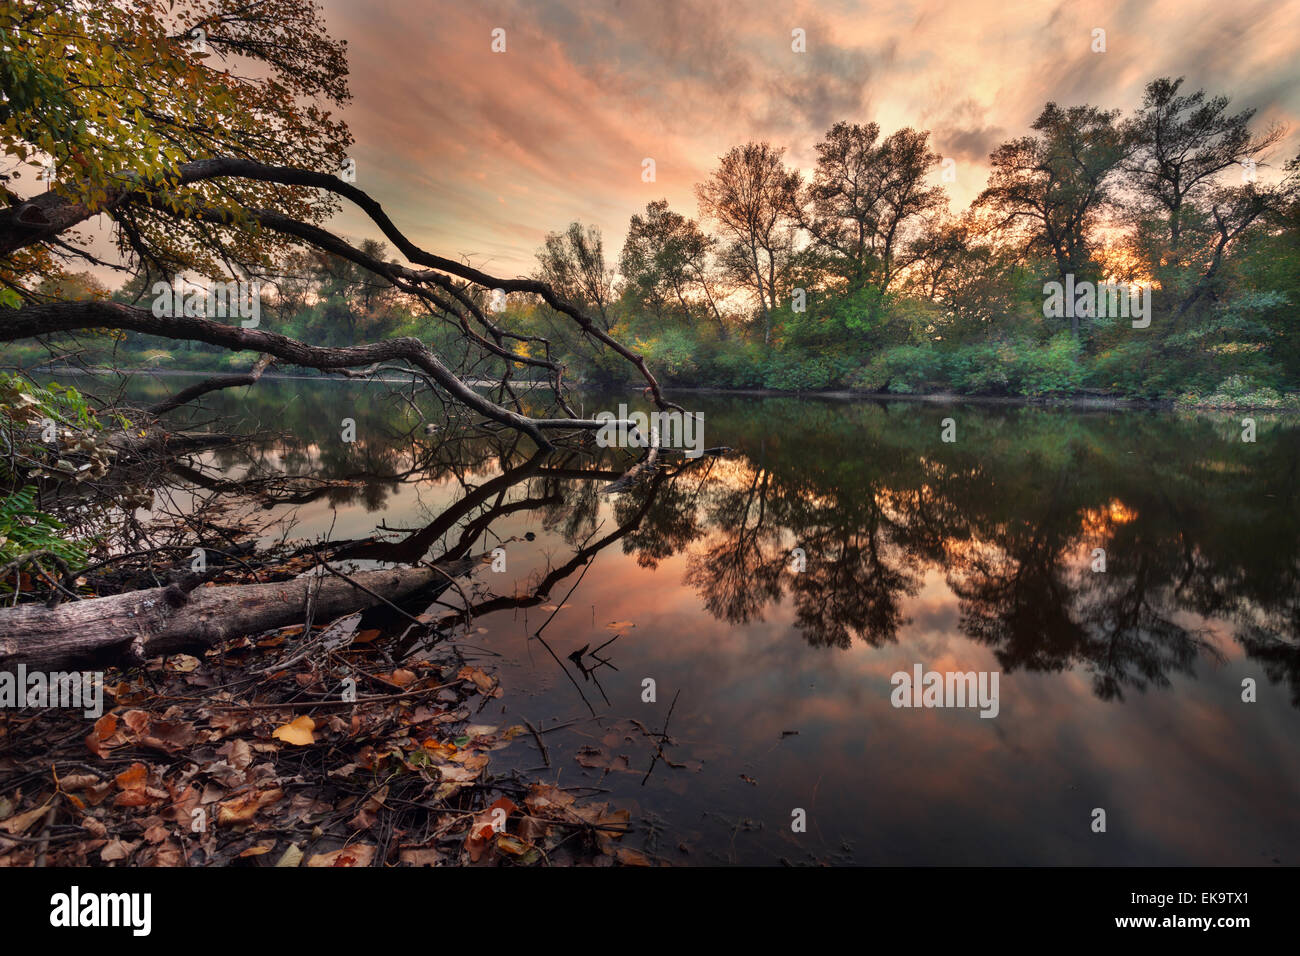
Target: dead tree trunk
column 142, row 624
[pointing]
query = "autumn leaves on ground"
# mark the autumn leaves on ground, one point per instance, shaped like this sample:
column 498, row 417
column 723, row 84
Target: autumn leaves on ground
column 241, row 757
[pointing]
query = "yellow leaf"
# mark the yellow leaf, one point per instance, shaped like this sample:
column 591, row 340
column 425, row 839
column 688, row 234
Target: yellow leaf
column 242, row 809
column 297, row 732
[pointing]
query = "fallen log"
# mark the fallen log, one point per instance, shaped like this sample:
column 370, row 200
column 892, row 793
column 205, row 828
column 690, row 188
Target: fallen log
column 142, row 624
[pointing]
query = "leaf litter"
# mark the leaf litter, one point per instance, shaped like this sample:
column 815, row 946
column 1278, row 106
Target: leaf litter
column 249, row 755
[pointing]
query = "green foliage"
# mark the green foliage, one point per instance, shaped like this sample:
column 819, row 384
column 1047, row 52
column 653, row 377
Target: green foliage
column 793, row 372
column 738, row 364
column 673, row 354
column 23, row 400
column 1052, row 369
column 904, row 369
column 984, row 368
column 1241, row 391
column 24, row 529
column 26, row 409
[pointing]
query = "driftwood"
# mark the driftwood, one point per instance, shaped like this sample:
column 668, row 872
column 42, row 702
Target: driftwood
column 142, row 624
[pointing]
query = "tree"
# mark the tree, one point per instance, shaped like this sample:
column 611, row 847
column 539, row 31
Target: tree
column 203, row 130
column 1194, row 194
column 865, row 194
column 749, row 196
column 1053, row 187
column 573, row 264
column 1180, row 144
column 667, row 259
column 957, row 265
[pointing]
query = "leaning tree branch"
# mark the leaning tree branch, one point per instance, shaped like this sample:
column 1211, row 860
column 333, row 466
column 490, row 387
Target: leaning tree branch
column 216, row 383
column 106, row 314
column 46, row 216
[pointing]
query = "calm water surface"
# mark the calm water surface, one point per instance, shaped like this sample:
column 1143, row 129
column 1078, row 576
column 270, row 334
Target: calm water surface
column 1119, row 690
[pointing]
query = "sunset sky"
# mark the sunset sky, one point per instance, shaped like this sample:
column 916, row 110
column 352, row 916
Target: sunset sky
column 479, row 154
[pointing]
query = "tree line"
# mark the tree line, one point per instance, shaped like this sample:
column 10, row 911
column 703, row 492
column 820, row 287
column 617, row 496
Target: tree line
column 861, row 275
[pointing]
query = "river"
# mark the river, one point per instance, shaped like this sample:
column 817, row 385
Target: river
column 1128, row 575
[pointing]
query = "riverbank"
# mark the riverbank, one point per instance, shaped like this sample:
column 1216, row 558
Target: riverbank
column 1286, row 404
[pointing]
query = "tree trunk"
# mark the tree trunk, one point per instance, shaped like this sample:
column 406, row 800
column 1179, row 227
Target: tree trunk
column 142, row 624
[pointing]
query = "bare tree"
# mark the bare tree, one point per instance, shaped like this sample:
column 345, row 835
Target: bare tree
column 749, row 196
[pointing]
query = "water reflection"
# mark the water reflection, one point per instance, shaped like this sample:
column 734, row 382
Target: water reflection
column 982, row 550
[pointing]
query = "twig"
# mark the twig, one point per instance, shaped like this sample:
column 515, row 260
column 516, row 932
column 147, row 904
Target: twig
column 338, row 703
column 538, row 737
column 379, row 597
column 663, row 738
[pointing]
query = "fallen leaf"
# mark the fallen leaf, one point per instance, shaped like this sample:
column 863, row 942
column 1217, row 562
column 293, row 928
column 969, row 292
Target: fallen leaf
column 242, row 809
column 359, row 854
column 485, row 684
column 133, row 777
column 118, row 850
column 20, row 822
column 420, row 857
column 104, row 728
column 485, row 825
column 291, row 856
column 297, row 732
column 511, row 844
column 169, row 736
column 543, row 797
column 168, row 854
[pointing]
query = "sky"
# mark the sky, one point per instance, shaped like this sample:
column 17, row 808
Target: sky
column 479, row 154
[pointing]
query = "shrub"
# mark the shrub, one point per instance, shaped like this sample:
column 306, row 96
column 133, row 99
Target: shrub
column 908, row 368
column 1051, row 369
column 673, row 353
column 1241, row 391
column 984, row 368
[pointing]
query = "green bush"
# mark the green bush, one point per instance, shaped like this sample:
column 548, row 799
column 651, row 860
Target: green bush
column 1241, row 391
column 984, row 368
column 672, row 353
column 1051, row 369
column 905, row 369
column 737, row 365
